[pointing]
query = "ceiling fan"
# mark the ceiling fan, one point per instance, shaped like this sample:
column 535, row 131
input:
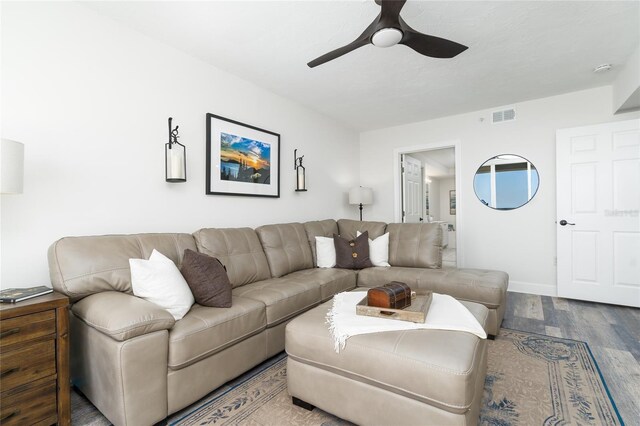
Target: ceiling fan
column 389, row 29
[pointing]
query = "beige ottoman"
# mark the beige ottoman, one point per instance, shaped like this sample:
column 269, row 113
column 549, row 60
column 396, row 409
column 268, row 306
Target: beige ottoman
column 415, row 377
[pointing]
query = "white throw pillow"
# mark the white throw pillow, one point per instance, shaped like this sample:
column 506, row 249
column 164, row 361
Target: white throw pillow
column 378, row 250
column 159, row 281
column 325, row 252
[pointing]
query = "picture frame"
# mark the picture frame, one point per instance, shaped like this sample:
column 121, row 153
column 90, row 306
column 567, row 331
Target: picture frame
column 242, row 159
column 452, row 202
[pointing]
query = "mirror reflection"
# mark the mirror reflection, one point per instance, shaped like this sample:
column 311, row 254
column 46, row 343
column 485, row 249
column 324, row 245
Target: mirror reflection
column 506, row 182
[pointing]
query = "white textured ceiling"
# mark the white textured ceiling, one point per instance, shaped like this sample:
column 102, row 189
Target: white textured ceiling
column 518, row 50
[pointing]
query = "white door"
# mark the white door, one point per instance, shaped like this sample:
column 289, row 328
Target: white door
column 598, row 205
column 411, row 189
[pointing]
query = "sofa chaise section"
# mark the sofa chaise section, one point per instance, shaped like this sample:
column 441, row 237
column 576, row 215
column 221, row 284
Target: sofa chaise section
column 415, row 256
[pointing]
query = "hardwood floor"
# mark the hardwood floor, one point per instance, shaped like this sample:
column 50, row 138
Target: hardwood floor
column 612, row 332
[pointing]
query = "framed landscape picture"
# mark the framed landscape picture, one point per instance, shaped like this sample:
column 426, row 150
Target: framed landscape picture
column 242, row 159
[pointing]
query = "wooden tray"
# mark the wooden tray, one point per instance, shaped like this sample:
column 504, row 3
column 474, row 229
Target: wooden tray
column 417, row 312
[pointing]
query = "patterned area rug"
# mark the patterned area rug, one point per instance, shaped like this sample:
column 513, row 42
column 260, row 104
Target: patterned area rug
column 531, row 380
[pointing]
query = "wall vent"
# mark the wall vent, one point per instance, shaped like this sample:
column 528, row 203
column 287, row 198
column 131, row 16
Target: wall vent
column 504, row 115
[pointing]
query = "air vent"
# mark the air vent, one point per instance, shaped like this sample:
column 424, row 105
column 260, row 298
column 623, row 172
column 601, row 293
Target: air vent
column 504, row 115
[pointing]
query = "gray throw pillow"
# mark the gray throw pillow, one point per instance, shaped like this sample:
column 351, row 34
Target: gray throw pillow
column 352, row 254
column 207, row 278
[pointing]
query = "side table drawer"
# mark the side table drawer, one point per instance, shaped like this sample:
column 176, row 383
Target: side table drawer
column 35, row 403
column 27, row 327
column 26, row 364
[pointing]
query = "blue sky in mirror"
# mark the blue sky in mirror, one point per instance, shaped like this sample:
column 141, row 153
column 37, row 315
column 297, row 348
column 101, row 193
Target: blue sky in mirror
column 511, row 187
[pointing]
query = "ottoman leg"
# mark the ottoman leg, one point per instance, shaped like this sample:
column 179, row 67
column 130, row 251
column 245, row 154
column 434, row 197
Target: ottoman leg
column 302, row 404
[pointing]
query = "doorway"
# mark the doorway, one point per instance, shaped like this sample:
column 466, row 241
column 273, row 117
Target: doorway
column 428, row 194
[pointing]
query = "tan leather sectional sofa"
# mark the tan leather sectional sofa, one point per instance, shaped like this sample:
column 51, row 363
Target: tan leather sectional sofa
column 138, row 365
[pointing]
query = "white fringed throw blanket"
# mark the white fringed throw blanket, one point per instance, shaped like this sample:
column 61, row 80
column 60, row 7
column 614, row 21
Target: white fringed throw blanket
column 445, row 313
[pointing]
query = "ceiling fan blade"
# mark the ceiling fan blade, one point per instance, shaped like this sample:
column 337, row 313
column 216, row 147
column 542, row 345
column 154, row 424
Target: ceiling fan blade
column 434, row 47
column 391, row 9
column 339, row 52
column 362, row 40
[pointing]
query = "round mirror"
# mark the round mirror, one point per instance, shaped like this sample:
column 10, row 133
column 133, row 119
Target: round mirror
column 506, row 182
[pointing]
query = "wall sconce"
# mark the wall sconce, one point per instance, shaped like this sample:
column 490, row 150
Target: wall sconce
column 360, row 196
column 12, row 154
column 175, row 157
column 300, row 170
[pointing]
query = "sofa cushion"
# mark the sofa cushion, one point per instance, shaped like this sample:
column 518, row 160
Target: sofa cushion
column 284, row 297
column 348, row 228
column 80, row 266
column 238, row 249
column 207, row 278
column 325, row 252
column 475, row 285
column 205, row 330
column 352, row 254
column 330, row 280
column 159, row 281
column 319, row 228
column 417, row 245
column 286, row 247
column 379, row 250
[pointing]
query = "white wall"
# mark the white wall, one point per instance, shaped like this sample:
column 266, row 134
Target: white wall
column 520, row 242
column 627, row 84
column 90, row 100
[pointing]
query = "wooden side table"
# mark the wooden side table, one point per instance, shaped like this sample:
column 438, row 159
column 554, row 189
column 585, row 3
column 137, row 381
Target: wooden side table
column 34, row 361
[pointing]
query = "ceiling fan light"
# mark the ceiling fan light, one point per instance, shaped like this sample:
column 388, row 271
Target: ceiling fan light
column 386, row 37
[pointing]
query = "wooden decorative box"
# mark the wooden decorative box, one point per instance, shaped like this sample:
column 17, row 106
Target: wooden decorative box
column 395, row 295
column 417, row 312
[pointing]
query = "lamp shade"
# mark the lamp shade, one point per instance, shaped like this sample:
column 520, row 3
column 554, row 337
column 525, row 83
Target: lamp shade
column 360, row 195
column 12, row 163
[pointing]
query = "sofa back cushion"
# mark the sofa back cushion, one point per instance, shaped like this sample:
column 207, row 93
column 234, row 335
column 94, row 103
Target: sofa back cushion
column 319, row 228
column 287, row 248
column 238, row 249
column 81, row 266
column 348, row 228
column 417, row 245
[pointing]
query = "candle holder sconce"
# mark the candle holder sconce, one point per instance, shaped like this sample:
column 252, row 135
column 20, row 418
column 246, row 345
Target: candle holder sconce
column 175, row 157
column 301, row 184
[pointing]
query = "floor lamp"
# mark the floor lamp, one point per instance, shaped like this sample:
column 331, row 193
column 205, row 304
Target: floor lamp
column 360, row 196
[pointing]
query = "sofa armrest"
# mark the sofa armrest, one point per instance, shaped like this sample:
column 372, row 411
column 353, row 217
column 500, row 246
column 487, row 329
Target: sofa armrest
column 122, row 316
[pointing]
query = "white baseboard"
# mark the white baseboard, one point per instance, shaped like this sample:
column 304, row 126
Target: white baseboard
column 533, row 288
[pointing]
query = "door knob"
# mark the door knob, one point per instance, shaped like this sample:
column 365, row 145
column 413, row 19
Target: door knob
column 421, row 219
column 564, row 222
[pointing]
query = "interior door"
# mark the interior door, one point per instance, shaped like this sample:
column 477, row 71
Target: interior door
column 411, row 189
column 598, row 205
